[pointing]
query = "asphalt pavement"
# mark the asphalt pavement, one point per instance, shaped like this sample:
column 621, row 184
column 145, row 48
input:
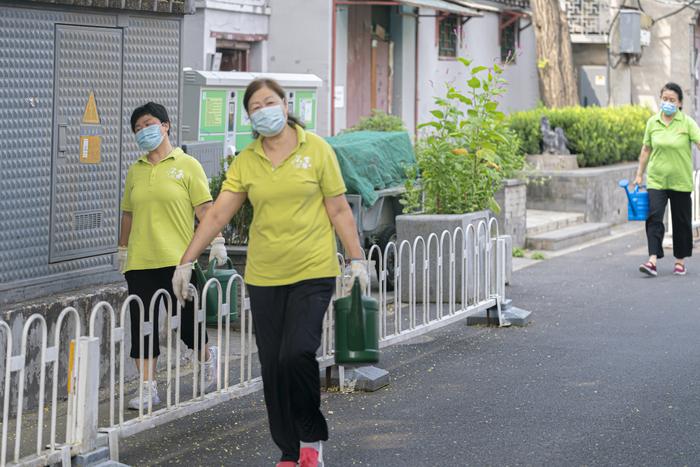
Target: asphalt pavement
column 606, row 374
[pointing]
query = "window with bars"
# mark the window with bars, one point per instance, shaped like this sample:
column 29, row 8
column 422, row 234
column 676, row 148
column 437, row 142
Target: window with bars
column 509, row 26
column 448, row 40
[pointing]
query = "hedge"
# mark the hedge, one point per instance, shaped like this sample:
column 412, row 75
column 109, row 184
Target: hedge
column 599, row 135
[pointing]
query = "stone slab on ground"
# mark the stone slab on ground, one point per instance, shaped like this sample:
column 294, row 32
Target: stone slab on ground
column 539, row 221
column 363, row 378
column 97, row 458
column 513, row 316
column 568, row 236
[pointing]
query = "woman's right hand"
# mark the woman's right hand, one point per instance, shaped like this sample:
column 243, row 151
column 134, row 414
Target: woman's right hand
column 181, row 282
column 638, row 181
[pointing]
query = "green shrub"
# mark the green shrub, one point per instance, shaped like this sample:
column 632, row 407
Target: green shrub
column 378, row 121
column 461, row 153
column 598, row 135
column 518, row 253
column 236, row 232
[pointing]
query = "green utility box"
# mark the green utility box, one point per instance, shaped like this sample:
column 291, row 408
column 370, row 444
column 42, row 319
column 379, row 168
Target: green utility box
column 213, row 104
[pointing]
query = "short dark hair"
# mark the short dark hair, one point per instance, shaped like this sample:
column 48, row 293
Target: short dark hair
column 675, row 88
column 275, row 87
column 149, row 108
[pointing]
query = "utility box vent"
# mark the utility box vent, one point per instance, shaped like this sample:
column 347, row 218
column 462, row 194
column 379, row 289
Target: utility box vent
column 88, row 220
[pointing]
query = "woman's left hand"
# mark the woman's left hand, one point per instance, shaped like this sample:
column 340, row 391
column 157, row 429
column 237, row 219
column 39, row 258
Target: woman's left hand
column 218, row 251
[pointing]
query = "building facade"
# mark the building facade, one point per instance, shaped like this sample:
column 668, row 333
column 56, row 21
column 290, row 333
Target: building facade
column 227, row 35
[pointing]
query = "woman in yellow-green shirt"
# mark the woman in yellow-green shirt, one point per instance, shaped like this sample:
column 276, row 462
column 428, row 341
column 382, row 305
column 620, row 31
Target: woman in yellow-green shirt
column 164, row 190
column 667, row 151
column 293, row 181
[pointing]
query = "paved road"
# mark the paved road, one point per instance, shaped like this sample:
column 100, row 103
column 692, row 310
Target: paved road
column 607, row 374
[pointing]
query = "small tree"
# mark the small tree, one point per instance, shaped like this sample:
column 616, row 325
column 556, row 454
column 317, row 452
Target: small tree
column 458, row 163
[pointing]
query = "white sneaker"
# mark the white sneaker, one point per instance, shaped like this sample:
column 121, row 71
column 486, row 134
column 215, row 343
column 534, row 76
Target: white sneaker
column 135, row 403
column 211, row 376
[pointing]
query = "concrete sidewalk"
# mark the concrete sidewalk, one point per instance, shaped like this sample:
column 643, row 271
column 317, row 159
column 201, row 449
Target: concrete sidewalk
column 606, row 374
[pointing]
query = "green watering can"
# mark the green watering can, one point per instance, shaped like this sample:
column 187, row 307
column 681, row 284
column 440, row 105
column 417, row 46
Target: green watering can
column 223, row 275
column 356, row 328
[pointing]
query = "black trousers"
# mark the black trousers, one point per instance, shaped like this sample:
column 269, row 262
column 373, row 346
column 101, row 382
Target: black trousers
column 681, row 220
column 288, row 323
column 145, row 283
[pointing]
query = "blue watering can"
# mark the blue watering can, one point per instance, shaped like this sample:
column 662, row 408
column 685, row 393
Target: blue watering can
column 638, row 202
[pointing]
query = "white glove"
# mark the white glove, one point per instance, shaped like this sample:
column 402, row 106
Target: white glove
column 358, row 269
column 181, row 282
column 218, row 251
column 121, row 258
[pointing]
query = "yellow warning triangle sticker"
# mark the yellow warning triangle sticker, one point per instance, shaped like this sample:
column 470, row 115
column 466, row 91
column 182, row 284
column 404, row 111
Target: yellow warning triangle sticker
column 90, row 115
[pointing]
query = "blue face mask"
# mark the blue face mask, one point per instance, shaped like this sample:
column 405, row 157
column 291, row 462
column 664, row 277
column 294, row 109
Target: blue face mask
column 668, row 108
column 149, row 138
column 268, row 121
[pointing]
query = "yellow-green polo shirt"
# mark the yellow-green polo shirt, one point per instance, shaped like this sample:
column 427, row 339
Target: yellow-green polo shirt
column 291, row 236
column 671, row 162
column 161, row 199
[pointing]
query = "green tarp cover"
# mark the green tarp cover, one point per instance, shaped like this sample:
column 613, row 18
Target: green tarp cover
column 373, row 160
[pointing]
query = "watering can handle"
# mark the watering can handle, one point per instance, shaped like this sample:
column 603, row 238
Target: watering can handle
column 214, row 262
column 356, row 294
column 625, row 184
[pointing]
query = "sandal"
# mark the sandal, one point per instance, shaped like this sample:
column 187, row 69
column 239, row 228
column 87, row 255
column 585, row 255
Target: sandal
column 649, row 269
column 679, row 269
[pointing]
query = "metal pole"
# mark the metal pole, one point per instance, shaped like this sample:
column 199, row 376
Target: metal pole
column 88, row 386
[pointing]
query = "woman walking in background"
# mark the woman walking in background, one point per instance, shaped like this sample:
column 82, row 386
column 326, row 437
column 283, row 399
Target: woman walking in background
column 667, row 158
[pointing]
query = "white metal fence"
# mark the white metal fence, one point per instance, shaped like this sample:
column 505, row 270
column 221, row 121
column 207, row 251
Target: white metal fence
column 468, row 266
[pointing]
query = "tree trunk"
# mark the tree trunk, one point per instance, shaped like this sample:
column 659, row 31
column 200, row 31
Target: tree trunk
column 554, row 56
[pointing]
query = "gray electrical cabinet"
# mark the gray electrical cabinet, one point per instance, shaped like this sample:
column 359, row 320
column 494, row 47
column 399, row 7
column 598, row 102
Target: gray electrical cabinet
column 593, row 86
column 85, row 171
column 72, row 74
column 630, row 30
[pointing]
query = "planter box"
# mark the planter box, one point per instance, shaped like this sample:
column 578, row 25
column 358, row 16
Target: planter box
column 512, row 220
column 410, row 226
column 592, row 191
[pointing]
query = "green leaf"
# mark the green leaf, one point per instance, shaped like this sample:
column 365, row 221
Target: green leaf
column 474, row 83
column 437, row 114
column 491, row 106
column 435, row 125
column 464, row 61
column 497, row 68
column 478, row 69
column 472, row 113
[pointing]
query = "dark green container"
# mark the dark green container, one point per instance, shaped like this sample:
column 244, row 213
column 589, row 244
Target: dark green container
column 356, row 328
column 223, row 275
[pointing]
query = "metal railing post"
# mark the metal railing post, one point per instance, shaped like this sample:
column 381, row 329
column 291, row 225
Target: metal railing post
column 88, row 387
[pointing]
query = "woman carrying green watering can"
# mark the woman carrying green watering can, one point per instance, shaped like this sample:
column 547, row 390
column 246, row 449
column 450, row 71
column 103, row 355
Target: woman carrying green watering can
column 293, row 181
column 667, row 151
